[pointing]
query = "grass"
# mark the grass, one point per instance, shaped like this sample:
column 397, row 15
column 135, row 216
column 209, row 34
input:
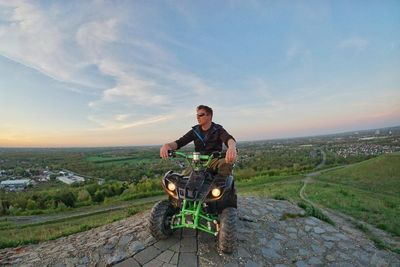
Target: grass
column 368, row 191
column 315, row 212
column 278, row 187
column 99, row 159
column 14, row 236
column 376, row 209
column 116, row 160
column 379, row 175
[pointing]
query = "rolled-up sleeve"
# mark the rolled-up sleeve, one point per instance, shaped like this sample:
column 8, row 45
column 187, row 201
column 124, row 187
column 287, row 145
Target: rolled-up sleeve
column 186, row 139
column 225, row 136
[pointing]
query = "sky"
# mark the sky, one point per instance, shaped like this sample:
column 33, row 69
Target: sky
column 119, row 73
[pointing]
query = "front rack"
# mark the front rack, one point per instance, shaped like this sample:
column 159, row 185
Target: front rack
column 192, row 216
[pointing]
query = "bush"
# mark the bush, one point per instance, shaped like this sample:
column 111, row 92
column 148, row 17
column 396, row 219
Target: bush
column 99, row 196
column 67, row 198
column 31, row 205
column 83, row 195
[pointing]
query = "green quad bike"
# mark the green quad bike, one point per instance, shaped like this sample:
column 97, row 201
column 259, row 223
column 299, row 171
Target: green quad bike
column 202, row 201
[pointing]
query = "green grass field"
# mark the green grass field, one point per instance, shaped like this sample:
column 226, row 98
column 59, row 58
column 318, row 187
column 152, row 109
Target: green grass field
column 278, row 187
column 117, row 160
column 368, row 191
column 379, row 210
column 380, row 175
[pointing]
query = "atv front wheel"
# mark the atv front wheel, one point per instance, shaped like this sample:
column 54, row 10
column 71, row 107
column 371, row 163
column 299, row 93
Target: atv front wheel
column 160, row 220
column 227, row 236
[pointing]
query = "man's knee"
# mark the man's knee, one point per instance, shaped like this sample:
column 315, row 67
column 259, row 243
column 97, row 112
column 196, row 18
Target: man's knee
column 225, row 169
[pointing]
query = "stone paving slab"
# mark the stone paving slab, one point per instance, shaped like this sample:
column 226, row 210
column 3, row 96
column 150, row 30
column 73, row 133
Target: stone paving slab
column 264, row 239
column 131, row 262
column 147, row 254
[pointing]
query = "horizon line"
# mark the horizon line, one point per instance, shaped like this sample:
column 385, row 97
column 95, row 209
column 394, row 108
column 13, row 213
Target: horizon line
column 238, row 141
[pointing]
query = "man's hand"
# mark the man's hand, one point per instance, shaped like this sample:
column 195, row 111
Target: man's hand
column 231, row 153
column 164, row 151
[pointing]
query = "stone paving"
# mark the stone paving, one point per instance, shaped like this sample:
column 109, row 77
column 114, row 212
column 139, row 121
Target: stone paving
column 265, row 238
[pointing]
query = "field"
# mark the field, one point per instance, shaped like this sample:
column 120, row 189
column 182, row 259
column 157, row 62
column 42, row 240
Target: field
column 278, row 187
column 379, row 175
column 368, row 191
column 107, row 160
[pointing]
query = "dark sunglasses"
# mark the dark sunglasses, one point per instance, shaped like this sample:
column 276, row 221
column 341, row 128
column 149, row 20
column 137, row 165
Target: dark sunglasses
column 201, row 114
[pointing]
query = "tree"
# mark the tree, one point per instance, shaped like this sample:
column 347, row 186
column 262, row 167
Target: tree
column 68, row 198
column 99, row 196
column 4, row 207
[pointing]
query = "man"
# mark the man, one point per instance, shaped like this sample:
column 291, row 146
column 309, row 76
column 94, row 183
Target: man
column 208, row 137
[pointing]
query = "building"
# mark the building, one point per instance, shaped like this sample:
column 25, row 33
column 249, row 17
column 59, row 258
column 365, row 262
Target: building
column 15, row 185
column 70, row 179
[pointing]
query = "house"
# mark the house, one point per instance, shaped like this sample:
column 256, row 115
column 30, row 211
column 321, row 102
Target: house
column 15, row 185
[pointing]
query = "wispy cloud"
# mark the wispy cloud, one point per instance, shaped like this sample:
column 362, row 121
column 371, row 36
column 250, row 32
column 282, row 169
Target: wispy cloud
column 297, row 51
column 355, row 42
column 116, row 123
column 143, row 73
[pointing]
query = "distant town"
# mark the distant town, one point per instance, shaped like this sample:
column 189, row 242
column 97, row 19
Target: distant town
column 14, row 183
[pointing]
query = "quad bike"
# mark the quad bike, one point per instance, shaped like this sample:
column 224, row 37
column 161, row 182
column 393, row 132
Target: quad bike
column 202, row 200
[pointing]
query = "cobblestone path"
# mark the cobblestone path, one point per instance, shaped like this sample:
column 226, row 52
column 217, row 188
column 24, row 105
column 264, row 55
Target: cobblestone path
column 266, row 238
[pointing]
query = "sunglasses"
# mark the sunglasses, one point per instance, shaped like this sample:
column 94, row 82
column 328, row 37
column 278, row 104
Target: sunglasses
column 201, row 114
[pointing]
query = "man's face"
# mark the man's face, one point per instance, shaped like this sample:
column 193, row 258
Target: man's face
column 203, row 117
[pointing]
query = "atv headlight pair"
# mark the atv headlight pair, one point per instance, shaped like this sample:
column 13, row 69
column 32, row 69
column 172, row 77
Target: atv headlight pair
column 216, row 192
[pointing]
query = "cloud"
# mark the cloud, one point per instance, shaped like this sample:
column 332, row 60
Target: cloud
column 82, row 51
column 297, row 50
column 355, row 42
column 28, row 37
column 116, row 123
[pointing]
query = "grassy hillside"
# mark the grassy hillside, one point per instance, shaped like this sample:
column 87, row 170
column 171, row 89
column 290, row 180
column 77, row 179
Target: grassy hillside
column 380, row 175
column 368, row 191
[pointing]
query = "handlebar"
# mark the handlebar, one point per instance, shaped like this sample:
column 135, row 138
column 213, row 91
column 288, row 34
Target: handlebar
column 216, row 154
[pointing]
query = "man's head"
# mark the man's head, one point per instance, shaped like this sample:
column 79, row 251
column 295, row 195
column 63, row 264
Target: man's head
column 204, row 114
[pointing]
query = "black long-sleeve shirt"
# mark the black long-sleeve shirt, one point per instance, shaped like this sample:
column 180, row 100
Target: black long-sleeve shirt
column 208, row 141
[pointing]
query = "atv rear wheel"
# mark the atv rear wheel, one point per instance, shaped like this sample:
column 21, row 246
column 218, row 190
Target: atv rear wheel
column 160, row 220
column 227, row 236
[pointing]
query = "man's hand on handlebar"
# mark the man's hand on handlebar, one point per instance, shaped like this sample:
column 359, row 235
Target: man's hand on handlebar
column 164, row 151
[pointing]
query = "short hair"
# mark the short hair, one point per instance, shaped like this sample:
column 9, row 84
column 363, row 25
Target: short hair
column 206, row 108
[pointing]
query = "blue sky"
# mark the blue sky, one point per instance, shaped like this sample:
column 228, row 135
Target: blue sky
column 103, row 73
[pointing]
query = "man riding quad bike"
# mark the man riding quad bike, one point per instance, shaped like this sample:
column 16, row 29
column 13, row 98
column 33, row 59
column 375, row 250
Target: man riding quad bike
column 201, row 200
column 203, row 197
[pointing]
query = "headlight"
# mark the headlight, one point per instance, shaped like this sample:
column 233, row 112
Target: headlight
column 216, row 192
column 171, row 187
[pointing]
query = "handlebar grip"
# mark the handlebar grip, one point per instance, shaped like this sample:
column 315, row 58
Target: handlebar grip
column 217, row 154
column 171, row 153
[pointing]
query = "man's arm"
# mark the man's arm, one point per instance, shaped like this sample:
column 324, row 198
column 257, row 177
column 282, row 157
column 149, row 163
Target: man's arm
column 183, row 141
column 168, row 146
column 231, row 153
